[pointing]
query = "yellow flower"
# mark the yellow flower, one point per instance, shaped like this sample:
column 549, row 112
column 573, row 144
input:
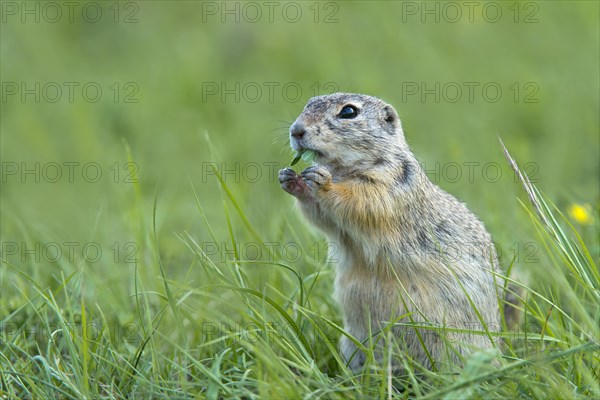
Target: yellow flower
column 581, row 213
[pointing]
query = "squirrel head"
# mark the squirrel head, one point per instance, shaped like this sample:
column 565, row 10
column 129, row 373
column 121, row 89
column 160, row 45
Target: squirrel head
column 349, row 131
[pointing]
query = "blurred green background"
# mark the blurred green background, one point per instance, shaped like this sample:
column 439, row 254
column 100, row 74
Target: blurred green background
column 169, row 58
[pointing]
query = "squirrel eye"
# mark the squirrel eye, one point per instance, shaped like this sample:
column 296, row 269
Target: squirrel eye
column 348, row 112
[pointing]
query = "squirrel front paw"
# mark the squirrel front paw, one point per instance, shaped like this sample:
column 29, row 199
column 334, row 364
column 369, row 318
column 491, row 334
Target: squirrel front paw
column 316, row 177
column 293, row 183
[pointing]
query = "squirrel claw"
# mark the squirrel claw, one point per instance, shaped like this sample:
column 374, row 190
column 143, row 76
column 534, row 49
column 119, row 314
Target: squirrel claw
column 293, row 183
column 316, row 177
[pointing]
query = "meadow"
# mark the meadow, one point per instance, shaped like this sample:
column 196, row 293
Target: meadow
column 147, row 250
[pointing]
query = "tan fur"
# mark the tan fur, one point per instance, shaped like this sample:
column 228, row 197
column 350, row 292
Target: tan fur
column 409, row 253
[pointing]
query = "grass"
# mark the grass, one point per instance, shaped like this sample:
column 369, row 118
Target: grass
column 266, row 329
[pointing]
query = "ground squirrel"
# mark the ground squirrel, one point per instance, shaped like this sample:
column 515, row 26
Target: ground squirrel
column 408, row 253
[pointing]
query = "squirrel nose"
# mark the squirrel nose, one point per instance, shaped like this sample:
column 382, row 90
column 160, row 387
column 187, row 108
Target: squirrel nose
column 297, row 130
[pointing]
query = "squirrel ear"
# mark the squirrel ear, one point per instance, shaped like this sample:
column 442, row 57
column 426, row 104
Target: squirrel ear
column 389, row 114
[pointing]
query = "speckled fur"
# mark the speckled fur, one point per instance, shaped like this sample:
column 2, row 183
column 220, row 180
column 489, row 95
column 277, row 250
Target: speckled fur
column 404, row 245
